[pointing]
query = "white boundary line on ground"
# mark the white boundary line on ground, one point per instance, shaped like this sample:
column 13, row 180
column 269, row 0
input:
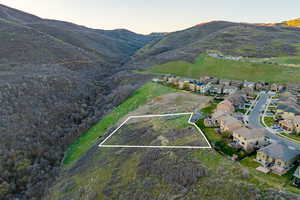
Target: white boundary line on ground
column 164, row 147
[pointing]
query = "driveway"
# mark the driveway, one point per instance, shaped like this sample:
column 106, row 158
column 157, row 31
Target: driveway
column 254, row 121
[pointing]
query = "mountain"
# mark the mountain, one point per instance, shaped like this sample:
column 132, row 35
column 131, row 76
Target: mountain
column 237, row 39
column 56, row 80
column 25, row 37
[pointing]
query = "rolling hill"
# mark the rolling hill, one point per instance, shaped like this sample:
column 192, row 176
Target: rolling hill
column 56, row 80
column 236, row 39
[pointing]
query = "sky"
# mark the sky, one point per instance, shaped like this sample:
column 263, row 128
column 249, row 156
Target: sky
column 147, row 16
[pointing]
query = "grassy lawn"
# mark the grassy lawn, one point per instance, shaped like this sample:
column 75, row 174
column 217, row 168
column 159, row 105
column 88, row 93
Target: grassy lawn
column 209, row 66
column 293, row 136
column 269, row 121
column 88, row 139
column 210, row 109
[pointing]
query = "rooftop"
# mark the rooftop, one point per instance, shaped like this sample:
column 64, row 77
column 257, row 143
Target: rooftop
column 280, row 151
column 249, row 133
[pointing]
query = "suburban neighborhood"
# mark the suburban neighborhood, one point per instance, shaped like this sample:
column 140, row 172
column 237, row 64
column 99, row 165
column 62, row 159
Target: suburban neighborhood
column 257, row 119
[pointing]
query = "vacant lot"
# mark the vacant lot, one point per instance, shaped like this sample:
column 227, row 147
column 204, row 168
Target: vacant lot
column 158, row 131
column 209, row 66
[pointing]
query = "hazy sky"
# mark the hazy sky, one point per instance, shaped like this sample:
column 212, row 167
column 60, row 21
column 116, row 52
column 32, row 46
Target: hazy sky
column 145, row 16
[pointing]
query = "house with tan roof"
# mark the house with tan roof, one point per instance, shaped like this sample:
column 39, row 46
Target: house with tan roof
column 291, row 124
column 249, row 139
column 277, row 157
column 229, row 123
column 225, row 106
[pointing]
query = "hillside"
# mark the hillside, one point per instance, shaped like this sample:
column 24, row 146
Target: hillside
column 293, row 23
column 205, row 65
column 56, row 80
column 26, row 37
column 150, row 173
column 236, row 39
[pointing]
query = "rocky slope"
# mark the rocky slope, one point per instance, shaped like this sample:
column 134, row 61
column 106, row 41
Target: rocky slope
column 56, row 80
column 235, row 39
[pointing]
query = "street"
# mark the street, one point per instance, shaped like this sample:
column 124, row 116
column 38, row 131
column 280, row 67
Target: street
column 254, row 121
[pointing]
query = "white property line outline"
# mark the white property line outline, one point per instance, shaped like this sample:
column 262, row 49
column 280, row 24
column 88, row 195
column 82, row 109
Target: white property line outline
column 170, row 147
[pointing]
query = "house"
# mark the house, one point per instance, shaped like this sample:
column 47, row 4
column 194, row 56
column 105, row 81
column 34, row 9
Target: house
column 291, row 124
column 229, row 90
column 216, row 116
column 296, row 176
column 287, row 104
column 203, row 87
column 224, row 82
column 229, row 123
column 225, row 106
column 249, row 139
column 248, row 84
column 216, row 89
column 274, row 87
column 193, row 87
column 238, row 100
column 277, row 157
column 236, row 83
column 183, row 84
column 259, row 86
column 205, row 79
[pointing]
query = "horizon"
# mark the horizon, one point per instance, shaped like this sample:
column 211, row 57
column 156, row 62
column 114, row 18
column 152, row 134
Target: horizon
column 138, row 16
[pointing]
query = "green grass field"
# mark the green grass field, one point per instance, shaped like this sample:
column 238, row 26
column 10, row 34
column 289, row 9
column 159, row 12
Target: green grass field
column 270, row 121
column 209, row 66
column 88, row 139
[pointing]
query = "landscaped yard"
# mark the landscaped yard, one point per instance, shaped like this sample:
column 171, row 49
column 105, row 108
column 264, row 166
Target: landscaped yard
column 88, row 139
column 220, row 141
column 264, row 181
column 210, row 66
column 270, row 121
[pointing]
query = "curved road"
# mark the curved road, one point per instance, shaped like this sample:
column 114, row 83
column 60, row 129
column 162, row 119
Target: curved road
column 254, row 121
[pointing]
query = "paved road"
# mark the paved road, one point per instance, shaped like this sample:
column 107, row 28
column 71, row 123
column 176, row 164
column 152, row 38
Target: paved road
column 254, row 121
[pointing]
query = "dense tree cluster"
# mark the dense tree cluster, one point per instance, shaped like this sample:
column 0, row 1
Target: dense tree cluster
column 42, row 110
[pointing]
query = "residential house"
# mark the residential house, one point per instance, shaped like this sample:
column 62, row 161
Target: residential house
column 175, row 81
column 296, row 176
column 277, row 157
column 238, row 100
column 225, row 106
column 216, row 116
column 274, row 87
column 248, row 84
column 193, row 86
column 183, row 84
column 205, row 79
column 203, row 87
column 229, row 123
column 236, row 83
column 291, row 124
column 216, row 89
column 249, row 139
column 229, row 90
column 287, row 104
column 259, row 86
column 224, row 82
